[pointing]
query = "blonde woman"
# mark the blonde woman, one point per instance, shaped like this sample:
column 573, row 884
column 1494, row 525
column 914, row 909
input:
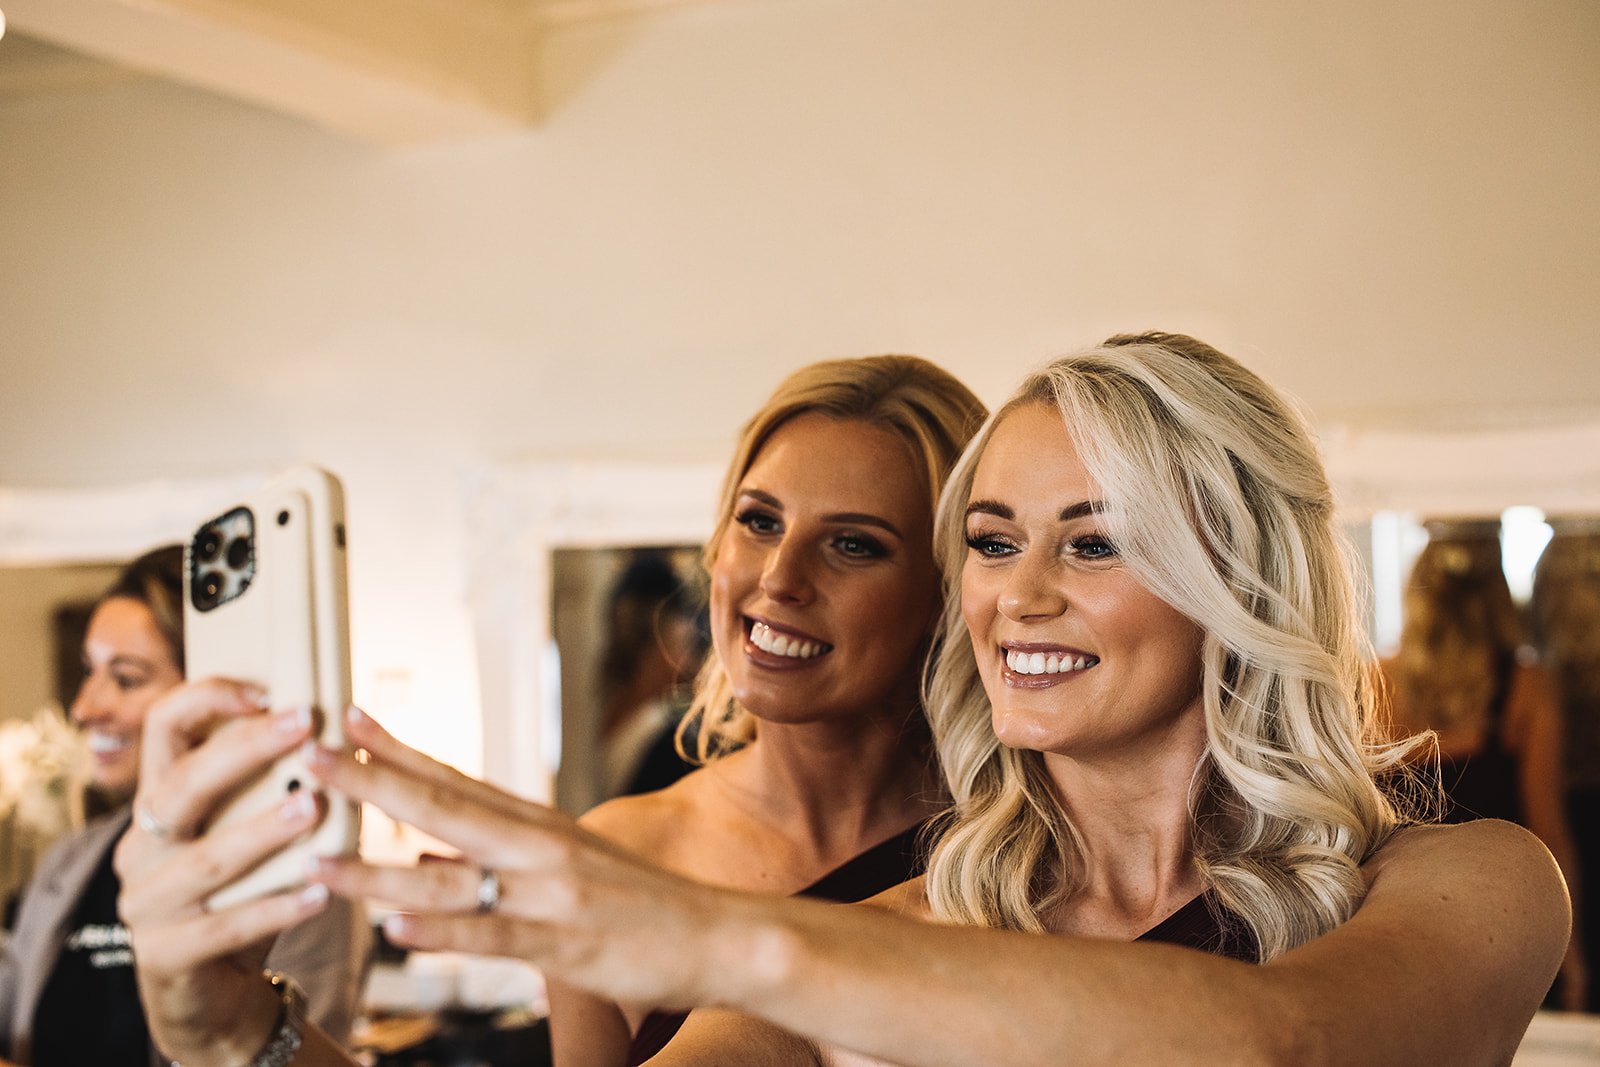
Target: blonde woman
column 1150, row 705
column 1465, row 672
column 817, row 772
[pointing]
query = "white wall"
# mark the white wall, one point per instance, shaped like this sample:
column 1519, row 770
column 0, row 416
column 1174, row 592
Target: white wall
column 1387, row 208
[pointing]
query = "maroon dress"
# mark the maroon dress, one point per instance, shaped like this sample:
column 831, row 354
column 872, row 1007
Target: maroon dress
column 879, row 868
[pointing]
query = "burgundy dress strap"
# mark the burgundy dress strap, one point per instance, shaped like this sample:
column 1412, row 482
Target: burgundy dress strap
column 1205, row 924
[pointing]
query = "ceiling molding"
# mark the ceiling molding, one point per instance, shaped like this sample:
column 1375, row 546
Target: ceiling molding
column 384, row 71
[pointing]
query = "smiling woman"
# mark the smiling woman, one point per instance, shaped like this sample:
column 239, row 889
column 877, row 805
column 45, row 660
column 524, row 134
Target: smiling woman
column 70, row 956
column 824, row 594
column 1181, row 852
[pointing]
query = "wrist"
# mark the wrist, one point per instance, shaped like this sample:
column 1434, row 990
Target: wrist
column 758, row 947
column 231, row 1040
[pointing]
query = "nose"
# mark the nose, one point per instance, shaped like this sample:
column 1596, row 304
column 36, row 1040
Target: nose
column 1032, row 591
column 785, row 575
column 89, row 705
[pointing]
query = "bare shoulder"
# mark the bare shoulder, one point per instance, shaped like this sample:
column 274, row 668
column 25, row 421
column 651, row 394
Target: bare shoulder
column 1488, row 878
column 651, row 825
column 908, row 899
column 1499, row 849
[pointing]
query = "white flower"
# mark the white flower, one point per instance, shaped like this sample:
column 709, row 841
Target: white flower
column 44, row 765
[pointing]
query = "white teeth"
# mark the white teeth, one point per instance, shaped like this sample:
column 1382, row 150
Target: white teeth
column 1039, row 663
column 767, row 639
column 104, row 744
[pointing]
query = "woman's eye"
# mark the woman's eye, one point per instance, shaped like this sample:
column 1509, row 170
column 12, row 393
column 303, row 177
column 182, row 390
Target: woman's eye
column 989, row 545
column 127, row 683
column 859, row 547
column 757, row 521
column 1093, row 548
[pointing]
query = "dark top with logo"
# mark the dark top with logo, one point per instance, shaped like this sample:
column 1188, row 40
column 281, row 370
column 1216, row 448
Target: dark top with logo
column 90, row 1011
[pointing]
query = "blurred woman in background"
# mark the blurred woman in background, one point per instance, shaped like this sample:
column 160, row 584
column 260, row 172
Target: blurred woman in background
column 1566, row 618
column 68, row 993
column 1466, row 671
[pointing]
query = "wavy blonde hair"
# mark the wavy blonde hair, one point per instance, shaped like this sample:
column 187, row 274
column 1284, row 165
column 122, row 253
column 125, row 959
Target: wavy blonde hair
column 1461, row 630
column 925, row 406
column 1218, row 503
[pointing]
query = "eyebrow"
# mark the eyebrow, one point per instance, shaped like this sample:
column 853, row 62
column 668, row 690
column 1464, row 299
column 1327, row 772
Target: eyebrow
column 131, row 661
column 1005, row 511
column 853, row 518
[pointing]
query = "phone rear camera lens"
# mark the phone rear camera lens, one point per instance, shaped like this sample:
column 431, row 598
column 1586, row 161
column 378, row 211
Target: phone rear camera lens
column 207, row 545
column 240, row 553
column 210, row 587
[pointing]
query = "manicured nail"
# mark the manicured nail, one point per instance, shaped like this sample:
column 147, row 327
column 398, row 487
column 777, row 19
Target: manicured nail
column 317, row 866
column 317, row 759
column 313, row 896
column 292, row 720
column 298, row 806
column 397, row 926
column 258, row 696
column 354, row 716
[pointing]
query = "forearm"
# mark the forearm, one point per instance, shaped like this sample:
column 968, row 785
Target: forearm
column 939, row 996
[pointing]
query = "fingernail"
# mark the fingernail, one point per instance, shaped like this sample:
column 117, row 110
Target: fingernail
column 354, row 716
column 258, row 696
column 397, row 926
column 314, row 896
column 298, row 806
column 292, row 720
column 317, row 758
column 317, row 866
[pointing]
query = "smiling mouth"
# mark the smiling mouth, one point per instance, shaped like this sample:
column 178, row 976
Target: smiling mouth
column 791, row 646
column 1042, row 664
column 107, row 744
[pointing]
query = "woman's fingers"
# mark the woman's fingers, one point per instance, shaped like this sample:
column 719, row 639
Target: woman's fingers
column 186, row 794
column 439, row 885
column 175, row 947
column 487, row 831
column 186, row 877
column 361, row 731
column 483, row 935
column 181, row 718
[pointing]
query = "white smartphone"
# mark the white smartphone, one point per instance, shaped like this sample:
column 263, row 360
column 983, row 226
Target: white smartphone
column 265, row 602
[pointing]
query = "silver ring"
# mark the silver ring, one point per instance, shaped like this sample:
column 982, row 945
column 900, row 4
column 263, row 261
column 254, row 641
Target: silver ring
column 488, row 891
column 152, row 825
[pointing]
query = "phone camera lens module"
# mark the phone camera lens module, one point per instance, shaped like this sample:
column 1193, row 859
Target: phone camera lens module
column 211, row 587
column 240, row 553
column 207, row 545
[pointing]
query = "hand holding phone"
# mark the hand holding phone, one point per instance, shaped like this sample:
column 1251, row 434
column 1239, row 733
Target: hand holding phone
column 265, row 602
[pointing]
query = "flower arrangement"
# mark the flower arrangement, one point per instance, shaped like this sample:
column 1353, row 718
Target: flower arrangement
column 44, row 769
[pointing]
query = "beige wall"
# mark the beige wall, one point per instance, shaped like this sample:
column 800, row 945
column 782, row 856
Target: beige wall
column 29, row 597
column 1388, row 208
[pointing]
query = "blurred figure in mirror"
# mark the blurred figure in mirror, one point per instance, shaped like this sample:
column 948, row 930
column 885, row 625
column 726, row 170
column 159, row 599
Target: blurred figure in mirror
column 1466, row 671
column 67, row 985
column 1566, row 620
column 653, row 647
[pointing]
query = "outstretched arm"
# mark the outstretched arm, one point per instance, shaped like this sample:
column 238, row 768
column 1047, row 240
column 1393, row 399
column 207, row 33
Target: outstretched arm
column 1445, row 961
